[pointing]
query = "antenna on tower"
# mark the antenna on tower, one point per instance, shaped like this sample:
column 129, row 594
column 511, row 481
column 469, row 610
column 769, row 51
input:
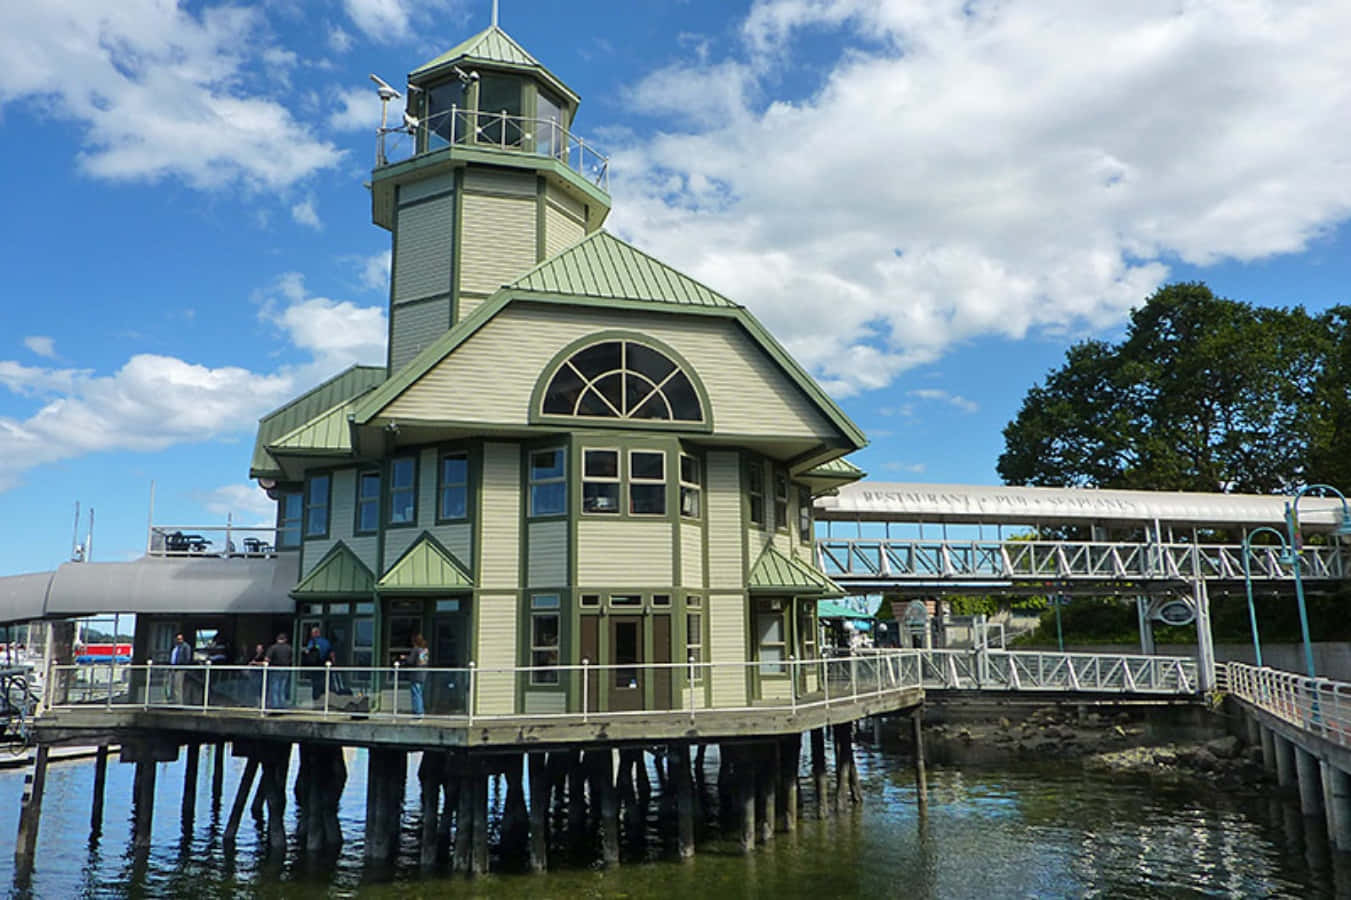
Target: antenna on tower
column 76, row 549
column 494, row 13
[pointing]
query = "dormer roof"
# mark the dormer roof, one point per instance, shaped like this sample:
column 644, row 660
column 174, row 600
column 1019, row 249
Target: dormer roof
column 492, row 47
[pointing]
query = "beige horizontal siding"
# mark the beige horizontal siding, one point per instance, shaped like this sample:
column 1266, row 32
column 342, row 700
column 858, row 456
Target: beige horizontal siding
column 496, row 691
column 565, row 202
column 624, row 552
column 691, row 556
column 547, row 564
column 521, row 184
column 458, row 539
column 423, row 246
column 490, row 377
column 545, row 702
column 416, row 190
column 776, row 689
column 727, row 644
column 722, row 504
column 501, row 525
column 498, row 241
column 469, row 303
column 560, row 230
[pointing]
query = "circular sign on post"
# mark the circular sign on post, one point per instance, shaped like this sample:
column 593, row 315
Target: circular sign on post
column 916, row 614
column 1175, row 612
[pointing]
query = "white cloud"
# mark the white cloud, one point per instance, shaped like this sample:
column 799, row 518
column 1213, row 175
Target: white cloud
column 940, row 396
column 246, row 503
column 154, row 402
column 305, row 214
column 391, row 21
column 358, row 109
column 339, row 41
column 161, row 91
column 375, row 271
column 911, row 468
column 986, row 169
column 41, row 345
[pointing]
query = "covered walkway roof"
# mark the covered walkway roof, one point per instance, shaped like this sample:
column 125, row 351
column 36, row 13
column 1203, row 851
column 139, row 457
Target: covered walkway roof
column 871, row 501
column 152, row 585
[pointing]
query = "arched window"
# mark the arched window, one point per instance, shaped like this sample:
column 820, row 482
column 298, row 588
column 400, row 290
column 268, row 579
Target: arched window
column 622, row 379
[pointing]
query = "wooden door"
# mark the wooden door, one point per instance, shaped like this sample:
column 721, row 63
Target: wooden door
column 625, row 676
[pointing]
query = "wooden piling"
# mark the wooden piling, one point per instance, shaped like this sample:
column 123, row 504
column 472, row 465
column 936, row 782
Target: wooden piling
column 680, row 781
column 218, row 776
column 333, row 779
column 745, row 785
column 819, row 775
column 478, row 864
column 143, row 804
column 577, row 811
column 241, row 800
column 515, row 814
column 450, row 805
column 464, row 818
column 767, row 773
column 191, row 764
column 430, row 772
column 540, row 784
column 603, row 783
column 921, row 779
column 789, row 752
column 100, row 787
column 30, row 810
column 384, row 802
column 273, row 785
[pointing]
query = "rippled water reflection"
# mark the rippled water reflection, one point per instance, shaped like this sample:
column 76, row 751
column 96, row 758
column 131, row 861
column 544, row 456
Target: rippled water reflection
column 1044, row 831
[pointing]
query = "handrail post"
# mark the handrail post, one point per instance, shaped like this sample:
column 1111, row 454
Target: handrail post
column 262, row 697
column 792, row 683
column 111, row 667
column 206, row 686
column 453, row 117
column 473, row 690
column 395, row 710
column 328, row 683
column 586, row 686
column 149, row 673
column 825, row 678
column 689, row 681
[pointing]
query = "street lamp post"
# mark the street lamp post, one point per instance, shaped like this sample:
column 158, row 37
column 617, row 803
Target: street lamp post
column 1291, row 521
column 1286, row 557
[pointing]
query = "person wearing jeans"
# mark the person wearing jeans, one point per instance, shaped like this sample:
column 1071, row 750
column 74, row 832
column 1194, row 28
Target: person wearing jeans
column 418, row 660
column 280, row 658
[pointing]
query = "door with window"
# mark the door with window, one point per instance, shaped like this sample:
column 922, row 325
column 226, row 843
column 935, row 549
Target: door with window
column 447, row 692
column 625, row 674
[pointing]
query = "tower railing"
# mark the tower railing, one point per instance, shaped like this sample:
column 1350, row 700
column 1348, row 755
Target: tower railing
column 526, row 135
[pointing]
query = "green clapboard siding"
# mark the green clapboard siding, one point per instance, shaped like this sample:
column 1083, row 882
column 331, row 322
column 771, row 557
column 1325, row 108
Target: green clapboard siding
column 427, row 566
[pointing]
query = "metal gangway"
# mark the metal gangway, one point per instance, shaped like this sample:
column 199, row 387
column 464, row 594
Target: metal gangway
column 1015, row 671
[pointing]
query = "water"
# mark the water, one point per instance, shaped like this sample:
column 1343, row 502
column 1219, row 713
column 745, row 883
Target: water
column 1039, row 831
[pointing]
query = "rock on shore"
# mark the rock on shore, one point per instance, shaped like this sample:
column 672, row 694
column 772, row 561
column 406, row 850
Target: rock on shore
column 1222, row 762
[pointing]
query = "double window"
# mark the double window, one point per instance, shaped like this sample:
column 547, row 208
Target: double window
column 316, row 506
column 804, row 515
column 368, row 502
column 780, row 499
column 772, row 641
column 289, row 511
column 603, row 484
column 454, row 487
column 548, row 482
column 403, row 491
column 544, row 638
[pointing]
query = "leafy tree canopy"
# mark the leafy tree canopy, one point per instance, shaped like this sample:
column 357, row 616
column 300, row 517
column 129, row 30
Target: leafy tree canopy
column 1202, row 394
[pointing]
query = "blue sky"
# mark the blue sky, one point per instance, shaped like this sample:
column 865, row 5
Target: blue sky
column 927, row 201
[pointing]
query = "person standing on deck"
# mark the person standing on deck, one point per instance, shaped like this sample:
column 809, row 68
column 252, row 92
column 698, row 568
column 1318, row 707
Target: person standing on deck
column 418, row 659
column 181, row 655
column 317, row 651
column 280, row 658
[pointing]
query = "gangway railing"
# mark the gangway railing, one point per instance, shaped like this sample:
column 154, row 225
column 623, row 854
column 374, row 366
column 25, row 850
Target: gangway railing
column 896, row 560
column 1317, row 706
column 1035, row 671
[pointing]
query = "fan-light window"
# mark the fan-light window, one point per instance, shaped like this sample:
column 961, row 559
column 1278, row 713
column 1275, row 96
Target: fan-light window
column 622, row 380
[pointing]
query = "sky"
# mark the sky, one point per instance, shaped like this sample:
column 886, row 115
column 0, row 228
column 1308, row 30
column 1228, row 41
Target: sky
column 926, row 201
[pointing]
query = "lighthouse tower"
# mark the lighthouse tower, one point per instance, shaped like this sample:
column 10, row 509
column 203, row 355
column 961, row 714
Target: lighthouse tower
column 484, row 180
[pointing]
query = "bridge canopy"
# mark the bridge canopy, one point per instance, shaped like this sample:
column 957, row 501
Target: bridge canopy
column 871, row 501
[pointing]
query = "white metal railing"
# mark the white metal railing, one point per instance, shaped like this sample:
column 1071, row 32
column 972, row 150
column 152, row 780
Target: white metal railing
column 496, row 131
column 888, row 559
column 227, row 540
column 1018, row 670
column 1318, row 706
column 473, row 693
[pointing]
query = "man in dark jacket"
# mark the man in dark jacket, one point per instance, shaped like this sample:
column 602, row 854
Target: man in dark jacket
column 280, row 659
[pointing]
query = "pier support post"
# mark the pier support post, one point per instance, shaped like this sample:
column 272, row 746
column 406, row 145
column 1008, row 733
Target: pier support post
column 1338, row 801
column 464, row 816
column 241, row 800
column 680, row 780
column 789, row 752
column 1285, row 762
column 603, row 787
column 767, row 780
column 100, row 787
column 1310, row 784
column 431, row 775
column 384, row 801
column 921, row 778
column 478, row 863
column 30, row 810
column 1254, row 731
column 540, row 783
column 515, row 811
column 143, row 803
column 273, row 786
column 846, row 779
column 577, row 814
column 820, row 781
column 218, row 776
column 191, row 764
column 1268, row 750
column 743, row 771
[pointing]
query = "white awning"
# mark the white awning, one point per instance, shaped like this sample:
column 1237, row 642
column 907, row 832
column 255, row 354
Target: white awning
column 153, row 585
column 871, row 501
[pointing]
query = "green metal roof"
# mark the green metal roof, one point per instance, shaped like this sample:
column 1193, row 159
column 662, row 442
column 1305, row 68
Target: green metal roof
column 776, row 572
column 491, row 44
column 601, row 265
column 327, row 431
column 829, row 609
column 315, row 403
column 339, row 573
column 426, row 566
column 837, row 468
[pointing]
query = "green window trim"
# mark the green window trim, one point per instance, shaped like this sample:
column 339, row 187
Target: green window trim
column 602, row 484
column 804, row 515
column 647, row 483
column 366, row 519
column 290, row 519
column 545, row 639
column 452, row 488
column 691, row 486
column 755, row 492
column 694, row 639
column 780, row 500
column 403, row 485
column 547, row 482
column 318, row 501
column 771, row 642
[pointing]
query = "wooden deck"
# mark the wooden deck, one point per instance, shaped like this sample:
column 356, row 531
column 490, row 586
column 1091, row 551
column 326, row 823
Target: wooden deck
column 516, row 733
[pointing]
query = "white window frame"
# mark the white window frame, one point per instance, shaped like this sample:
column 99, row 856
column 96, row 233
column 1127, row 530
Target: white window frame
column 532, row 482
column 546, row 606
column 694, row 488
column 635, row 481
column 617, row 480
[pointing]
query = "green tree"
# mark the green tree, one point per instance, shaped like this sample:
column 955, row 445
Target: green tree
column 1202, row 394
